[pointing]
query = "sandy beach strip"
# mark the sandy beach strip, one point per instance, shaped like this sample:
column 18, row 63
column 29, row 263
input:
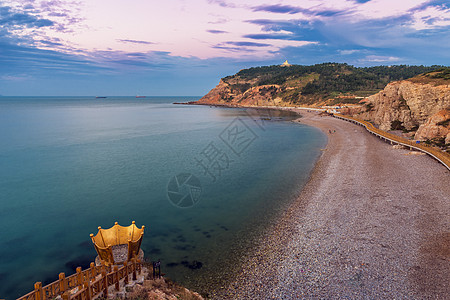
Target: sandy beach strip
column 373, row 222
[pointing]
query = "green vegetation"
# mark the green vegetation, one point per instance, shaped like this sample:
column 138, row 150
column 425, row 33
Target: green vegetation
column 443, row 73
column 240, row 87
column 364, row 93
column 307, row 84
column 346, row 100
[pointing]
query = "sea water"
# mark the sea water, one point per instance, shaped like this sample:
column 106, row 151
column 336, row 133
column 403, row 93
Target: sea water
column 203, row 180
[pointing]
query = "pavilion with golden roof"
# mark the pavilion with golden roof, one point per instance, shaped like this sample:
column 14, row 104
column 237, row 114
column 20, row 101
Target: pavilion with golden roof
column 118, row 244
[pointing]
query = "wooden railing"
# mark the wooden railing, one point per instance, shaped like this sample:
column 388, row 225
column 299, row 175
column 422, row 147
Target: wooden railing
column 442, row 157
column 87, row 284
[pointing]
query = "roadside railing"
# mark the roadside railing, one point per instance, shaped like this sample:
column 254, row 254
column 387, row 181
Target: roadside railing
column 87, row 284
column 437, row 154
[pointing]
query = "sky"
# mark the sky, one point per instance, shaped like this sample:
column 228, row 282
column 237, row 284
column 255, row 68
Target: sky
column 184, row 47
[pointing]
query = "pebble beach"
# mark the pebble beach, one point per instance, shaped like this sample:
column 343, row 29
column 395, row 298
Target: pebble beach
column 373, row 222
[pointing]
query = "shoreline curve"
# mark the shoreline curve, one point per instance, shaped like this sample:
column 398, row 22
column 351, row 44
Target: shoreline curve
column 371, row 222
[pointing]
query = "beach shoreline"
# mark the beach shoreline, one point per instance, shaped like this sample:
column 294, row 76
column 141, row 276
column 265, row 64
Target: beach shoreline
column 364, row 226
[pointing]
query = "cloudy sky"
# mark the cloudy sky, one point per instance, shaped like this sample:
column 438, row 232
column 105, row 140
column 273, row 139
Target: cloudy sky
column 183, row 47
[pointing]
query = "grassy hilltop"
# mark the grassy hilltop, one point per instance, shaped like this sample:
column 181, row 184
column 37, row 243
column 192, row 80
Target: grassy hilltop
column 307, row 85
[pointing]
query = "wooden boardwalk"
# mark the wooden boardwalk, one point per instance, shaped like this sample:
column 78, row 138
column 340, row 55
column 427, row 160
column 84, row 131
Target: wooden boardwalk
column 442, row 157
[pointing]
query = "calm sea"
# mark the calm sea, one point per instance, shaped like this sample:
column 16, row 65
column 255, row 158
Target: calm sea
column 71, row 164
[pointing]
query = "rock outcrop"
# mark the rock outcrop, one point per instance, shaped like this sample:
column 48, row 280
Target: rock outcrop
column 161, row 288
column 419, row 105
column 312, row 86
column 411, row 106
column 224, row 94
column 436, row 127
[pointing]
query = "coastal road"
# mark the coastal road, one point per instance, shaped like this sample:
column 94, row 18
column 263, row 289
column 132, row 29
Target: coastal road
column 373, row 222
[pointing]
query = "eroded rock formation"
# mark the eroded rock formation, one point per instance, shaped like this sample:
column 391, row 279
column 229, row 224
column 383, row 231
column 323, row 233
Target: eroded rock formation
column 411, row 105
column 436, row 127
column 419, row 105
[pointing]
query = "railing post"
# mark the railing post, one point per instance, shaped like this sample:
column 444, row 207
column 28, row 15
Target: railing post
column 39, row 295
column 87, row 288
column 65, row 296
column 93, row 271
column 116, row 277
column 105, row 283
column 79, row 277
column 125, row 264
column 62, row 283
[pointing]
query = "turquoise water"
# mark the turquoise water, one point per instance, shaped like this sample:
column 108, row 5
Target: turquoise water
column 71, row 164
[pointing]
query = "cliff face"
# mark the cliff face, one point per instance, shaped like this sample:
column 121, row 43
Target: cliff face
column 411, row 105
column 315, row 85
column 224, row 94
column 436, row 127
column 217, row 95
column 419, row 105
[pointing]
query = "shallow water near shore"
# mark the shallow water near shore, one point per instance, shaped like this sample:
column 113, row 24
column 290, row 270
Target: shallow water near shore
column 71, row 164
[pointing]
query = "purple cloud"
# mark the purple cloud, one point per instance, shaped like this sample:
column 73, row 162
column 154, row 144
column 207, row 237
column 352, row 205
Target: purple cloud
column 219, row 21
column 281, row 25
column 58, row 14
column 239, row 46
column 10, row 18
column 51, row 43
column 136, row 42
column 137, row 54
column 247, row 44
column 222, row 3
column 268, row 36
column 288, row 9
column 216, row 31
column 279, row 9
column 233, row 49
column 329, row 13
column 51, row 5
column 16, row 59
column 437, row 4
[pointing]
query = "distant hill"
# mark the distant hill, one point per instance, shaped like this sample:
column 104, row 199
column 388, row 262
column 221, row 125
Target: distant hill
column 413, row 99
column 327, row 83
column 436, row 77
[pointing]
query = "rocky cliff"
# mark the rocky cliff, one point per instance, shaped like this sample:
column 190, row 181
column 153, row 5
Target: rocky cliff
column 420, row 105
column 436, row 127
column 225, row 94
column 316, row 85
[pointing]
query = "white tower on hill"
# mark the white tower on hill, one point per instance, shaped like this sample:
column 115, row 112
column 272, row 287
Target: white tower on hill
column 285, row 64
